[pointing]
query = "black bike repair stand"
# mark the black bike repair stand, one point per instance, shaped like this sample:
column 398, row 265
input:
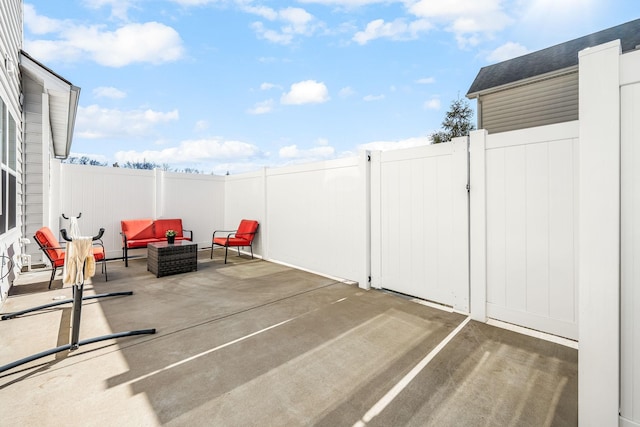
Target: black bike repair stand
column 75, row 323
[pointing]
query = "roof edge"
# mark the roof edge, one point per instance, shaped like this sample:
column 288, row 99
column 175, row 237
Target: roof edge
column 524, row 82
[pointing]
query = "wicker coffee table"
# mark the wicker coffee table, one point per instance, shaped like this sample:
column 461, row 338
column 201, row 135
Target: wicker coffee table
column 164, row 259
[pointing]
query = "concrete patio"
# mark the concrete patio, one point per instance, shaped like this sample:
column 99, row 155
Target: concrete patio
column 258, row 343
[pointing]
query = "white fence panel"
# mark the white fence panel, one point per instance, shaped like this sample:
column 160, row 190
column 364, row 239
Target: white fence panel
column 531, row 235
column 420, row 222
column 317, row 217
column 630, row 255
column 199, row 200
column 245, row 199
column 105, row 196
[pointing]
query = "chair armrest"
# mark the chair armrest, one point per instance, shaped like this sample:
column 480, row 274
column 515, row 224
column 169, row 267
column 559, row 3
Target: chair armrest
column 124, row 239
column 231, row 232
column 190, row 233
column 44, row 248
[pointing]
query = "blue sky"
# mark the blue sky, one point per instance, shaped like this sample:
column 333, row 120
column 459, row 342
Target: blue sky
column 237, row 85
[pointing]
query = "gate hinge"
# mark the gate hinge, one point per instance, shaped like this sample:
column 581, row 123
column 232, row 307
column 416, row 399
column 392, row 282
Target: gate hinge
column 369, row 279
column 468, row 188
column 368, row 157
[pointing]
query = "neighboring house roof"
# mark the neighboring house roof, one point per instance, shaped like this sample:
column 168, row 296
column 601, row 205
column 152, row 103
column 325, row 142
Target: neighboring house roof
column 63, row 102
column 552, row 59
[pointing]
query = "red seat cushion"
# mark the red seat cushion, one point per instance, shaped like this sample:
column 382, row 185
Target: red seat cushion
column 137, row 229
column 50, row 245
column 52, row 248
column 233, row 241
column 162, row 225
column 141, row 243
column 98, row 253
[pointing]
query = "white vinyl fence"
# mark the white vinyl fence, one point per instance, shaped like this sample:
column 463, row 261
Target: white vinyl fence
column 420, row 222
column 317, row 217
column 397, row 220
column 630, row 248
column 552, row 212
column 531, row 203
column 105, row 196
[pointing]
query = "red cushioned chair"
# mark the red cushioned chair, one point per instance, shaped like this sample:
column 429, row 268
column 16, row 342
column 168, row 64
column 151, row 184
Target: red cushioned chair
column 243, row 236
column 52, row 249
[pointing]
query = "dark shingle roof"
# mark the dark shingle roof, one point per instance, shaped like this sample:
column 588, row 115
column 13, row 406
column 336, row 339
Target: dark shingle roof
column 553, row 58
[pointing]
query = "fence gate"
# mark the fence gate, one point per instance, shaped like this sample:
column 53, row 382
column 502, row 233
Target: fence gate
column 419, row 221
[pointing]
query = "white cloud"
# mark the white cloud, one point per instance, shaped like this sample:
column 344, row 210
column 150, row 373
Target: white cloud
column 395, row 145
column 297, row 19
column 108, row 92
column 201, row 125
column 548, row 14
column 94, row 122
column 346, row 92
column 306, row 92
column 271, row 35
column 426, row 81
column 119, row 8
column 321, row 152
column 432, row 104
column 267, row 86
column 193, row 152
column 38, row 24
column 262, row 11
column 370, row 98
column 294, row 21
column 263, row 107
column 149, row 42
column 194, row 2
column 467, row 19
column 396, row 30
column 345, row 3
column 507, row 51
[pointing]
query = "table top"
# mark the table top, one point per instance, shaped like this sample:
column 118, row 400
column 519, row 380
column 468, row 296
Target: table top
column 177, row 243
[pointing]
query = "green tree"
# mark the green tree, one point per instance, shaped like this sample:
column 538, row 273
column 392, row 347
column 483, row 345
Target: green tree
column 456, row 123
column 142, row 165
column 84, row 160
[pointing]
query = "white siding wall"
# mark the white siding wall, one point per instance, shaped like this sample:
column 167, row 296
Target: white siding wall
column 549, row 101
column 10, row 45
column 630, row 242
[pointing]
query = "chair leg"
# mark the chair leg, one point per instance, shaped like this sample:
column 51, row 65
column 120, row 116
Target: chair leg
column 53, row 275
column 211, row 251
column 126, row 257
column 104, row 269
column 251, row 247
column 226, row 248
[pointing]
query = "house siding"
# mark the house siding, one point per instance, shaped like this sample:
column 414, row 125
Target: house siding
column 34, row 200
column 10, row 45
column 545, row 102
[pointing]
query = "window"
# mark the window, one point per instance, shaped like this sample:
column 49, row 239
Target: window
column 8, row 191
